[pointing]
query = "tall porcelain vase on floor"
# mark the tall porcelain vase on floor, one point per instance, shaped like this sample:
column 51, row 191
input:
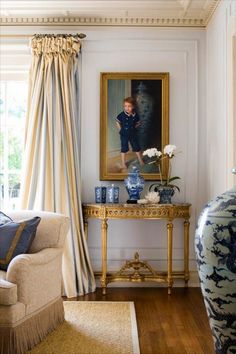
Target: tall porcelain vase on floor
column 215, row 244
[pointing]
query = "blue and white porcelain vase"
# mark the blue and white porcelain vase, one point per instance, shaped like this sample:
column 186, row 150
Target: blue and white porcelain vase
column 134, row 184
column 215, row 244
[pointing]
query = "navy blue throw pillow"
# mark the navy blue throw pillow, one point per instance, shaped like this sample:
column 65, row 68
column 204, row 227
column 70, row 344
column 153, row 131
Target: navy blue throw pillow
column 4, row 218
column 16, row 238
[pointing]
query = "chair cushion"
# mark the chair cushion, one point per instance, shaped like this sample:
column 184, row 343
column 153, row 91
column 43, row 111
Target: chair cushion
column 11, row 314
column 8, row 293
column 15, row 239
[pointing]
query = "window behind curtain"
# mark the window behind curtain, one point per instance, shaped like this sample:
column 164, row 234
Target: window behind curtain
column 13, row 100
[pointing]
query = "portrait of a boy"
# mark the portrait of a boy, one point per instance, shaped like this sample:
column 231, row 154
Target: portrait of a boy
column 134, row 117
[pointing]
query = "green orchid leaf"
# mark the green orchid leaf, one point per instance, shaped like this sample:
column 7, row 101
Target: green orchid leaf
column 174, row 178
column 153, row 185
column 174, row 186
column 177, row 188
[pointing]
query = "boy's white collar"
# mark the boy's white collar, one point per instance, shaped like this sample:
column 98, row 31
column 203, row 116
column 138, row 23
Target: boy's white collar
column 132, row 114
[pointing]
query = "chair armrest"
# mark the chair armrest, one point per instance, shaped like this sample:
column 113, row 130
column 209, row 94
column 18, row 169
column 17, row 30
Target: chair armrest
column 8, row 293
column 42, row 257
column 38, row 277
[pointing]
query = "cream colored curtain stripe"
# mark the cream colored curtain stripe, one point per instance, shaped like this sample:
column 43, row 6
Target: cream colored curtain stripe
column 51, row 179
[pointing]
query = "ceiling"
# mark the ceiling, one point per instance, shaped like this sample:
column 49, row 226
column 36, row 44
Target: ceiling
column 193, row 13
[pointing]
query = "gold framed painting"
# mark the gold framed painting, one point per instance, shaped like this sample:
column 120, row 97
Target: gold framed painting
column 134, row 117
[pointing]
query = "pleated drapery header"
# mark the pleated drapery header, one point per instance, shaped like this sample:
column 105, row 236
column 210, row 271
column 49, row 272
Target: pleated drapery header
column 55, row 44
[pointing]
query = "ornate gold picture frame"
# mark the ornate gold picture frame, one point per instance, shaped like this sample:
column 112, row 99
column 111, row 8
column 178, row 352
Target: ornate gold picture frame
column 134, row 117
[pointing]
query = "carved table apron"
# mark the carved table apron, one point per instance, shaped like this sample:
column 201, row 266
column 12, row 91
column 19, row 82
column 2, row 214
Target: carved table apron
column 131, row 270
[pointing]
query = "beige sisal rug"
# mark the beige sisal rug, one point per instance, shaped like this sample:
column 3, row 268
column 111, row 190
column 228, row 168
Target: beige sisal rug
column 93, row 327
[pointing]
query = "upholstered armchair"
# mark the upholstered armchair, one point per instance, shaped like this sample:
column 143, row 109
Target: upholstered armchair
column 30, row 290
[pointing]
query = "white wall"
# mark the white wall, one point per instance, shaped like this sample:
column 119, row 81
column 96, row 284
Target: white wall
column 204, row 135
column 181, row 52
column 220, row 116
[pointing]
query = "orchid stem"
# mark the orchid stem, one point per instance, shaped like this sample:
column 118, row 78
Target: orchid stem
column 169, row 173
column 160, row 172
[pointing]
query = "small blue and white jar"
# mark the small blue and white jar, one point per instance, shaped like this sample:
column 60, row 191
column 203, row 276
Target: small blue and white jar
column 112, row 194
column 100, row 194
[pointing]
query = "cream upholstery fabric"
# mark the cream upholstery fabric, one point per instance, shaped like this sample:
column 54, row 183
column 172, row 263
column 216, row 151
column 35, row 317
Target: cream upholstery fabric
column 38, row 276
column 50, row 232
column 8, row 293
column 30, row 297
column 10, row 315
column 3, row 274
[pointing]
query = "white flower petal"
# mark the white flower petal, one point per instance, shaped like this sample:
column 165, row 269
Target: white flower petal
column 169, row 150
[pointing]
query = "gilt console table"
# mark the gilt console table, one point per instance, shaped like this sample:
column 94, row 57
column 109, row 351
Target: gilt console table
column 137, row 270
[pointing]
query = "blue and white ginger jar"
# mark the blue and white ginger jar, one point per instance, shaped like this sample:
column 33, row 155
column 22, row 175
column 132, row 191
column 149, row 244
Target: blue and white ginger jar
column 215, row 244
column 134, row 184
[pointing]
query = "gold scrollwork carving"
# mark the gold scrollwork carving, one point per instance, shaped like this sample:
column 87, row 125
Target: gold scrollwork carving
column 125, row 211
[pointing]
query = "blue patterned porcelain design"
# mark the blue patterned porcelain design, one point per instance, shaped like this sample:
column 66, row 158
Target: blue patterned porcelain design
column 166, row 193
column 112, row 194
column 134, row 184
column 145, row 105
column 215, row 244
column 100, row 194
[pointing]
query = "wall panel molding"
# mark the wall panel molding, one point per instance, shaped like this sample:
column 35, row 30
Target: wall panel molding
column 181, row 57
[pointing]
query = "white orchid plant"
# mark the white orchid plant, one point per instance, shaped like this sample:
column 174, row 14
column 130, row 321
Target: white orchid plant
column 156, row 157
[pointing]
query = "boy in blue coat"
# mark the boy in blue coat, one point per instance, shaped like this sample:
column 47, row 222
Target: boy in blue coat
column 128, row 122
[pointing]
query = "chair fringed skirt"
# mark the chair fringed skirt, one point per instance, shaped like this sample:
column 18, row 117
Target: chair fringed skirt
column 23, row 336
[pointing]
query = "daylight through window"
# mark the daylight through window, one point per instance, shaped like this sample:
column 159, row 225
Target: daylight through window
column 13, row 99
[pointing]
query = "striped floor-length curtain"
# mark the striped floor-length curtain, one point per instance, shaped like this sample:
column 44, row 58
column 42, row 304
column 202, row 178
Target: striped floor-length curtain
column 51, row 178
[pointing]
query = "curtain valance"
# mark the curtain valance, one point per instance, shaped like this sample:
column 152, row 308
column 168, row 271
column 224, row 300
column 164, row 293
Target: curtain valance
column 55, row 44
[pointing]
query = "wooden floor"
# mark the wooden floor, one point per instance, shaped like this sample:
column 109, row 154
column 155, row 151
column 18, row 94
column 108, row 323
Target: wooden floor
column 175, row 324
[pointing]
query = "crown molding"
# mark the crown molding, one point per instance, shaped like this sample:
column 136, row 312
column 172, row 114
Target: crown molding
column 96, row 21
column 109, row 21
column 211, row 11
